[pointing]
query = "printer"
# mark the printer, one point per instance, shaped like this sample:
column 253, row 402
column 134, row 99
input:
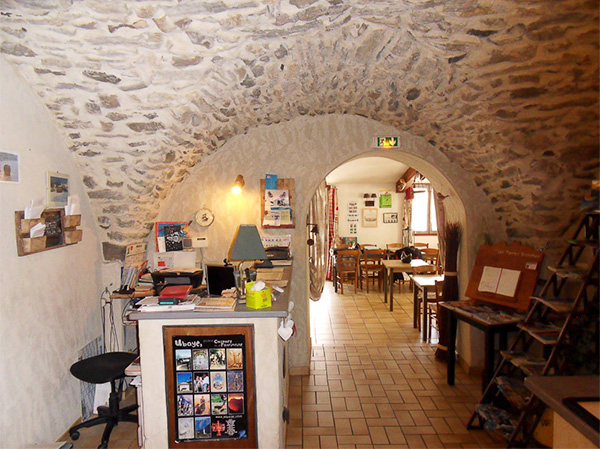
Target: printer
column 172, row 276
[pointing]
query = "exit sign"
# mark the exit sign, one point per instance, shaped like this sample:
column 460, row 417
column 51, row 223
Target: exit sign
column 387, row 142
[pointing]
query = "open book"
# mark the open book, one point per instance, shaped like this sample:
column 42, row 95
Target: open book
column 500, row 281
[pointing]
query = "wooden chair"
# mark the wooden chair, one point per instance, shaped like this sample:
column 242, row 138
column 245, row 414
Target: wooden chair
column 371, row 267
column 432, row 304
column 432, row 256
column 347, row 268
column 391, row 249
column 421, row 245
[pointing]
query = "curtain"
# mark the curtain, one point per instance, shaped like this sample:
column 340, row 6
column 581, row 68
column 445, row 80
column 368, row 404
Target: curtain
column 440, row 218
column 332, row 225
column 317, row 242
column 406, row 222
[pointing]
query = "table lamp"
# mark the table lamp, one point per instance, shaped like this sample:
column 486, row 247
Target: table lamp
column 246, row 245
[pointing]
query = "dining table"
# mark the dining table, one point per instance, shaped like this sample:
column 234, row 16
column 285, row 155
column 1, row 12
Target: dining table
column 392, row 266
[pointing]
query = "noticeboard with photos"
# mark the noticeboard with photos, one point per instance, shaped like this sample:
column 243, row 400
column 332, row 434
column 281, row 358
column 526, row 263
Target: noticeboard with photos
column 210, row 381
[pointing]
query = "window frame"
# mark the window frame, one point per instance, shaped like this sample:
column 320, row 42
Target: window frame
column 430, row 204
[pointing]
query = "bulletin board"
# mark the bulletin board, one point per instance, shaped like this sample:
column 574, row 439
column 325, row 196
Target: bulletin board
column 505, row 275
column 288, row 204
column 210, row 386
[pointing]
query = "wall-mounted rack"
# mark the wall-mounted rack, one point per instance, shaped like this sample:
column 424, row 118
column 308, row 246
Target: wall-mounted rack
column 61, row 230
column 288, row 185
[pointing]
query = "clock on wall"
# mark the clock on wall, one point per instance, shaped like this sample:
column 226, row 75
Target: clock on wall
column 204, row 217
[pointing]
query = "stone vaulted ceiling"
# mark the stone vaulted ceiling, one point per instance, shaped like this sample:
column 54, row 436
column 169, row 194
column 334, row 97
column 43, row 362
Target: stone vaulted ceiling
column 143, row 90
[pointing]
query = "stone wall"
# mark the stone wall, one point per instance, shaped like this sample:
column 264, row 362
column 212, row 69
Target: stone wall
column 143, row 92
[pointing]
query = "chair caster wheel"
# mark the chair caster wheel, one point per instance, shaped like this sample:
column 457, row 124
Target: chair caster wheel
column 74, row 435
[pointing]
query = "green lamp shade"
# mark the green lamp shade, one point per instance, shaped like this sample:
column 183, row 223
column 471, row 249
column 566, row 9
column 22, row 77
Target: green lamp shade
column 247, row 245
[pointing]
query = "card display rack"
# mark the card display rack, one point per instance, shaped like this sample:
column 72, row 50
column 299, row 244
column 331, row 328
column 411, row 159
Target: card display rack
column 61, row 230
column 286, row 184
column 558, row 337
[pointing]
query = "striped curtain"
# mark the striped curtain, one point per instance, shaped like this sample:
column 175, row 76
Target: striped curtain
column 332, row 226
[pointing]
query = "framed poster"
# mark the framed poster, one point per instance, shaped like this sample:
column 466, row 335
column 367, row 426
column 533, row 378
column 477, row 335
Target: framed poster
column 390, row 217
column 210, row 386
column 385, row 199
column 58, row 189
column 369, row 217
column 9, row 167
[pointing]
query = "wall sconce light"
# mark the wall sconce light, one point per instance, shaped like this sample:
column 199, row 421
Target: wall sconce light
column 366, row 195
column 236, row 189
column 373, row 195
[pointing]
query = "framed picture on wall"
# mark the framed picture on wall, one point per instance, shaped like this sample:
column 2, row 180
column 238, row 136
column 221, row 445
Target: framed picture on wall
column 369, row 217
column 390, row 217
column 57, row 185
column 9, row 167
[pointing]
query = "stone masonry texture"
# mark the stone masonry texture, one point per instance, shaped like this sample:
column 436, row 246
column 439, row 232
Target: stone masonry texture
column 144, row 90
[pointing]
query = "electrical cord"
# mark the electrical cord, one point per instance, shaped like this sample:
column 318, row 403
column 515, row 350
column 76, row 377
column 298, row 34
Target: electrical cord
column 107, row 307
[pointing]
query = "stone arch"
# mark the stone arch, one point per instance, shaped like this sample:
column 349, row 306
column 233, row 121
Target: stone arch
column 307, row 149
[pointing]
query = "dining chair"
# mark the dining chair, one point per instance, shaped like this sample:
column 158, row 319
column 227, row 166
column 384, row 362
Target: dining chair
column 391, row 249
column 432, row 256
column 371, row 267
column 347, row 268
column 433, row 304
column 421, row 245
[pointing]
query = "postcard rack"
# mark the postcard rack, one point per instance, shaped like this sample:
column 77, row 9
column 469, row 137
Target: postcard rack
column 283, row 185
column 61, row 230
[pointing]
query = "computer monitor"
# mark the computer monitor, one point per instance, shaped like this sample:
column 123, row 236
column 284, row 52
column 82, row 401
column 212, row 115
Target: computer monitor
column 219, row 278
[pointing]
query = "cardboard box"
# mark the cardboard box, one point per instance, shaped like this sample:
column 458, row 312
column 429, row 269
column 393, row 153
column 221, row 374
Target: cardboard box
column 257, row 299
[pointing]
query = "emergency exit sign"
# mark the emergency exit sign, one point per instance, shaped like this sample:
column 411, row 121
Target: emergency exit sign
column 387, row 142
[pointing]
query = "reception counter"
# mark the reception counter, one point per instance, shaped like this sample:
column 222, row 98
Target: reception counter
column 264, row 372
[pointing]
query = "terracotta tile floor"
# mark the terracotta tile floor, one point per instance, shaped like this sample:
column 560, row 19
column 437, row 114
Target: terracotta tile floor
column 372, row 384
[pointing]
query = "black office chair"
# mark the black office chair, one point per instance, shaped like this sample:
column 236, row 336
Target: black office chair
column 108, row 367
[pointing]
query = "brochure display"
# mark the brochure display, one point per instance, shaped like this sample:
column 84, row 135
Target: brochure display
column 210, row 378
column 277, row 205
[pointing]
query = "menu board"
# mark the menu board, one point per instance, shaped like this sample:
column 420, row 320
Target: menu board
column 210, row 376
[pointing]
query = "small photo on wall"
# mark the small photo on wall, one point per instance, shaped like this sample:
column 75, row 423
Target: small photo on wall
column 58, row 189
column 9, row 167
column 391, row 217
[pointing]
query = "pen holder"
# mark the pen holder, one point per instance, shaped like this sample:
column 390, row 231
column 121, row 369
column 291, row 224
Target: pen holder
column 260, row 299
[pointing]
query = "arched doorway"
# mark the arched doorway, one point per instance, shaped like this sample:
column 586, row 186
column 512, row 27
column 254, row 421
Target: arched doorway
column 307, row 149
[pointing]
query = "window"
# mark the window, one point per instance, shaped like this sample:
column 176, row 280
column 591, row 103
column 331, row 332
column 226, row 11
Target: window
column 423, row 210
